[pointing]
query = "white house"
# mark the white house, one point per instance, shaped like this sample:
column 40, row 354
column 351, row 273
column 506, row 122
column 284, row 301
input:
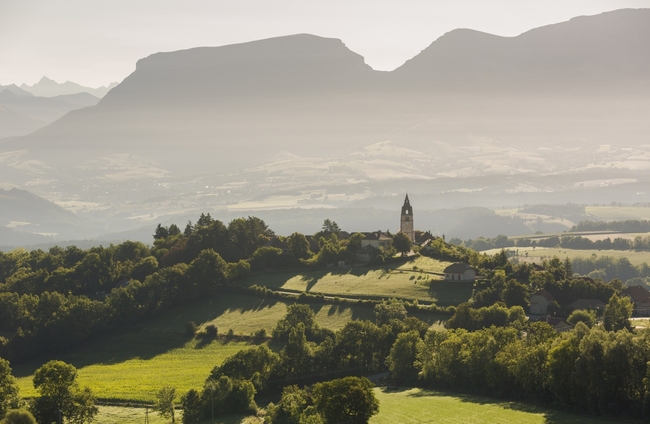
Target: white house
column 539, row 301
column 460, row 271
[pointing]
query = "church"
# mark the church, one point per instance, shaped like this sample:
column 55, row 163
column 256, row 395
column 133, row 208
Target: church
column 406, row 220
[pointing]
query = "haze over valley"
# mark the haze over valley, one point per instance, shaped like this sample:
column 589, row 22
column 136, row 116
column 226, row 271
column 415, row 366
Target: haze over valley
column 299, row 128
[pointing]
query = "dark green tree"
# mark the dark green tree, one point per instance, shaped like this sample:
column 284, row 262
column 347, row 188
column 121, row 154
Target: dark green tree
column 299, row 246
column 402, row 243
column 402, row 361
column 617, row 313
column 19, row 417
column 346, row 400
column 8, row 388
column 192, row 407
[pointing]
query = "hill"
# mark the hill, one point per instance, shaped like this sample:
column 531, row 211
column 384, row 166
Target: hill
column 26, row 217
column 307, row 94
column 25, row 112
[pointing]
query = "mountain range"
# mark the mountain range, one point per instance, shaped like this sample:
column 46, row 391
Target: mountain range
column 588, row 78
column 556, row 114
column 21, row 112
column 46, row 87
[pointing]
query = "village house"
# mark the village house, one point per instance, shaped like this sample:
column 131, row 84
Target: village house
column 640, row 296
column 376, row 239
column 539, row 302
column 460, row 271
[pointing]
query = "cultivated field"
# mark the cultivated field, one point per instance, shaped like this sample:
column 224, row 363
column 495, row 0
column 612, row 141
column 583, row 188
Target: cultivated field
column 417, row 406
column 540, row 253
column 403, row 281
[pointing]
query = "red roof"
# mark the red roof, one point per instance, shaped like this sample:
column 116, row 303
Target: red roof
column 637, row 293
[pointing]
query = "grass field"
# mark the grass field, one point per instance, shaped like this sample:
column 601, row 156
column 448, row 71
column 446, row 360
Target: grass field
column 618, row 213
column 417, row 406
column 400, row 281
column 134, row 365
column 540, row 253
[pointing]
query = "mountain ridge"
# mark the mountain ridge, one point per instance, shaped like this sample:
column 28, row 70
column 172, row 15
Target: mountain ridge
column 238, row 104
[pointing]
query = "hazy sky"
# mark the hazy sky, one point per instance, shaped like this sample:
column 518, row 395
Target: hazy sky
column 95, row 42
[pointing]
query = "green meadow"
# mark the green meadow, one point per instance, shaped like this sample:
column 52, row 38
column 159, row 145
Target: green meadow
column 414, row 279
column 132, row 365
column 415, row 406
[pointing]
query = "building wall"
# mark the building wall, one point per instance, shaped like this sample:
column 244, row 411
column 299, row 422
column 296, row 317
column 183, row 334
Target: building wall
column 538, row 305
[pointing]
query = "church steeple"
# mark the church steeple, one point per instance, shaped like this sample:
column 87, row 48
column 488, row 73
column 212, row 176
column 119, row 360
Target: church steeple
column 406, row 220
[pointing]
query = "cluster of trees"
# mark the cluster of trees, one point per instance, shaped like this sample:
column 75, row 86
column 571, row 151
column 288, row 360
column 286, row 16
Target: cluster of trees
column 60, row 398
column 628, row 226
column 309, row 355
column 639, row 243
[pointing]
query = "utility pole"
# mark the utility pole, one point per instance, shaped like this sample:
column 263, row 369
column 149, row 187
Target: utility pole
column 146, row 416
column 60, row 417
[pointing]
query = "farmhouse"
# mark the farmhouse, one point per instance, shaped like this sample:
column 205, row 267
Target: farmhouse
column 376, row 239
column 539, row 302
column 278, row 244
column 460, row 271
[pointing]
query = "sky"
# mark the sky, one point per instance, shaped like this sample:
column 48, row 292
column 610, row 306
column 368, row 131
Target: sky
column 96, row 42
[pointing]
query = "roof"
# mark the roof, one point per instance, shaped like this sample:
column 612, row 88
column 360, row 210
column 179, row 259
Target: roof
column 637, row 293
column 458, row 267
column 557, row 322
column 586, row 304
column 537, row 267
column 377, row 235
column 541, row 292
column 276, row 242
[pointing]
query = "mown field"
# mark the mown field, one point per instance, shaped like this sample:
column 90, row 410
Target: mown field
column 618, row 213
column 423, row 282
column 132, row 365
column 540, row 253
column 417, row 406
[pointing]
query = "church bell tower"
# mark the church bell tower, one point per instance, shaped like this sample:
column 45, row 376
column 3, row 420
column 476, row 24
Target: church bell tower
column 406, row 221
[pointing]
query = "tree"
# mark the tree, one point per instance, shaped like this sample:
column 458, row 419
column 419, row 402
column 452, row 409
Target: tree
column 56, row 382
column 387, row 310
column 192, row 407
column 617, row 313
column 402, row 243
column 403, row 356
column 346, row 400
column 8, row 388
column 582, row 315
column 330, row 227
column 299, row 246
column 164, row 402
column 19, row 417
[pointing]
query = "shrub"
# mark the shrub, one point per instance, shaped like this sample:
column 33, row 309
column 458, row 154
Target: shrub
column 212, row 330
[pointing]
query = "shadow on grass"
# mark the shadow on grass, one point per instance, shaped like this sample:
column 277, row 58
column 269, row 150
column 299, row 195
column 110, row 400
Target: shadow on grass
column 448, row 293
column 551, row 416
column 151, row 337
